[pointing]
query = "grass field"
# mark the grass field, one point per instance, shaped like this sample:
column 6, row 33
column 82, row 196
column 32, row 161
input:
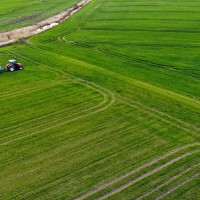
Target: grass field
column 107, row 107
column 19, row 13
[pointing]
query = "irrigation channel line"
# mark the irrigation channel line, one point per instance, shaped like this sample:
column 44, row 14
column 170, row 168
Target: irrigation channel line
column 109, row 99
column 155, row 110
column 135, row 180
column 167, row 182
column 126, row 175
column 178, row 186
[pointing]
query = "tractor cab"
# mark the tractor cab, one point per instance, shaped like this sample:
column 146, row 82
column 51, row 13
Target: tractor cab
column 13, row 65
column 12, row 62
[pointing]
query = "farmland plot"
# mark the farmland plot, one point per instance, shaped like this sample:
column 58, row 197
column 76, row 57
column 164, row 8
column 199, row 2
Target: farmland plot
column 107, row 106
column 19, row 13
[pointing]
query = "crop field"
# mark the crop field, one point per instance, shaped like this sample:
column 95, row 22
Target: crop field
column 19, row 13
column 107, row 106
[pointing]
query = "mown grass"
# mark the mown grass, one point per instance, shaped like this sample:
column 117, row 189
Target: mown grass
column 113, row 90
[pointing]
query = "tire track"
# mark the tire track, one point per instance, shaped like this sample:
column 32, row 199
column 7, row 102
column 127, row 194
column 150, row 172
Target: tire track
column 79, row 26
column 62, row 179
column 125, row 57
column 27, row 91
column 178, row 186
column 120, row 130
column 195, row 132
column 108, row 100
column 168, row 181
column 120, row 178
column 133, row 181
column 160, row 112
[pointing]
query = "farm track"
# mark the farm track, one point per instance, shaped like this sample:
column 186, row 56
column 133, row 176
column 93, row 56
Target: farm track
column 122, row 177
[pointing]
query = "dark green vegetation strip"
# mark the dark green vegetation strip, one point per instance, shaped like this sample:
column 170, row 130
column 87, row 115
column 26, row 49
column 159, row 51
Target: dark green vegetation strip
column 107, row 106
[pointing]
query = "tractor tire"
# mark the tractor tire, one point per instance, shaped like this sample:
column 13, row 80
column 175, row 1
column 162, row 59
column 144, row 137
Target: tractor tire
column 20, row 67
column 11, row 69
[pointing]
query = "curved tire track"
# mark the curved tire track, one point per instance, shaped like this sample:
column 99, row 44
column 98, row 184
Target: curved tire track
column 109, row 99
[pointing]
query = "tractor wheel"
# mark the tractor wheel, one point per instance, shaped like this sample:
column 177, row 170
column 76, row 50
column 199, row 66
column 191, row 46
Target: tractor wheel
column 11, row 69
column 20, row 67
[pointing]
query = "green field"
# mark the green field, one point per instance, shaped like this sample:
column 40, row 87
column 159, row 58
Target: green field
column 107, row 107
column 19, row 13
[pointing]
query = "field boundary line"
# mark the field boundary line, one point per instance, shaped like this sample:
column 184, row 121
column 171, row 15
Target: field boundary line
column 110, row 183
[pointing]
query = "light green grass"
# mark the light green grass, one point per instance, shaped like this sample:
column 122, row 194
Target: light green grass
column 106, row 97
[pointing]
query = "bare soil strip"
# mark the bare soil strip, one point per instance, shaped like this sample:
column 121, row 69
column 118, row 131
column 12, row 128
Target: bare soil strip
column 14, row 35
column 120, row 178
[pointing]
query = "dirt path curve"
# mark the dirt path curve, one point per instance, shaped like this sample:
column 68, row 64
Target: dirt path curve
column 14, row 35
